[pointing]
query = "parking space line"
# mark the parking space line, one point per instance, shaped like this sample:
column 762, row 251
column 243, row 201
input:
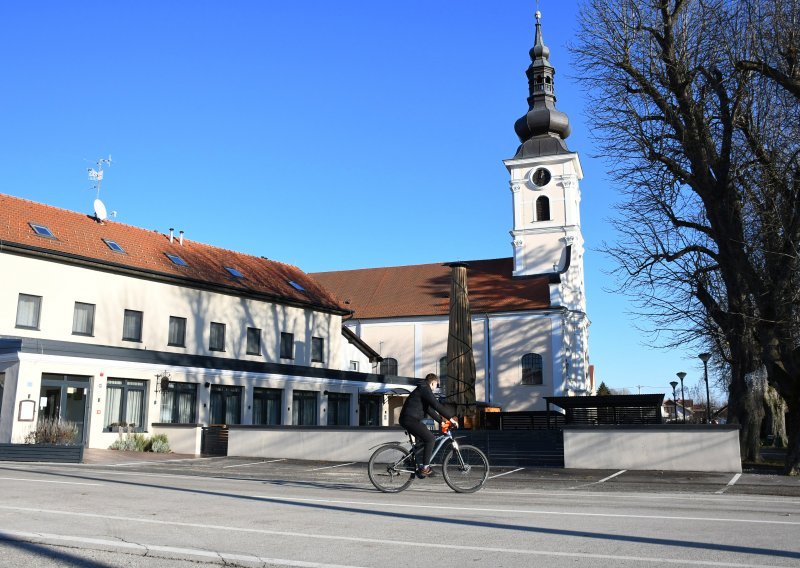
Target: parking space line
column 612, row 476
column 331, row 466
column 730, row 484
column 506, row 472
column 242, row 464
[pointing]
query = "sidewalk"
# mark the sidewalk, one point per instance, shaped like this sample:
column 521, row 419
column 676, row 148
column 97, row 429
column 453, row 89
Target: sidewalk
column 95, row 456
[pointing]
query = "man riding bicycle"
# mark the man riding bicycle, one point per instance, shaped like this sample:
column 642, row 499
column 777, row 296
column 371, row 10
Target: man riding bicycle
column 422, row 402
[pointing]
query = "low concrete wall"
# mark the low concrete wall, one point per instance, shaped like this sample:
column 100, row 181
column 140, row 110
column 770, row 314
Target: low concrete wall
column 182, row 438
column 326, row 443
column 664, row 447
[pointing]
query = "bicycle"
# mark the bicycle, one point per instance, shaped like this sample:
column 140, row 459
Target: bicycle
column 392, row 467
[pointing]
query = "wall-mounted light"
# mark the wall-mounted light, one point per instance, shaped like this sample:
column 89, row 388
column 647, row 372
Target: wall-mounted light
column 162, row 381
column 207, row 384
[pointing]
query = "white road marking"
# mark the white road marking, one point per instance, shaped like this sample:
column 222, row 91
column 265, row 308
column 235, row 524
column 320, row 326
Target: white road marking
column 150, row 549
column 612, row 476
column 730, row 484
column 384, row 505
column 49, row 481
column 331, row 466
column 242, row 464
column 506, row 473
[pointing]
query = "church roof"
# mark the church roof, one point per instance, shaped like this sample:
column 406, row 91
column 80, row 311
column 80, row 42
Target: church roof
column 81, row 239
column 424, row 289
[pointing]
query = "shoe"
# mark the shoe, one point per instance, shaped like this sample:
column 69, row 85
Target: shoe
column 425, row 472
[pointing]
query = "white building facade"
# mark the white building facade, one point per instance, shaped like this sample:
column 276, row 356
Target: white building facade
column 114, row 327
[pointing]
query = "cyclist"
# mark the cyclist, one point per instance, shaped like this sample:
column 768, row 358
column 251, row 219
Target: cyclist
column 420, row 403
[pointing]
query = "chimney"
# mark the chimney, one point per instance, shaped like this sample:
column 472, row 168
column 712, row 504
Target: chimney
column 171, row 235
column 180, row 238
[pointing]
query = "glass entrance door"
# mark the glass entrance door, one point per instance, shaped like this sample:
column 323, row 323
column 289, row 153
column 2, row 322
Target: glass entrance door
column 63, row 397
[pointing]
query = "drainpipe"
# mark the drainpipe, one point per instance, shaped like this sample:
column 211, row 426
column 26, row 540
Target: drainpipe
column 488, row 333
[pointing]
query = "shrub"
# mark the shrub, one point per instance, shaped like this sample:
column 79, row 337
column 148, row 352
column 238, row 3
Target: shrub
column 53, row 431
column 135, row 442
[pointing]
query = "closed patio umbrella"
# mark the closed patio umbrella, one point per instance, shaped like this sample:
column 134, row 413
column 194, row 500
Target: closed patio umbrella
column 459, row 386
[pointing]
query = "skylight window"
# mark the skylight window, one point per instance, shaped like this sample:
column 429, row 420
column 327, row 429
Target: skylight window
column 296, row 286
column 42, row 231
column 176, row 259
column 113, row 245
column 235, row 273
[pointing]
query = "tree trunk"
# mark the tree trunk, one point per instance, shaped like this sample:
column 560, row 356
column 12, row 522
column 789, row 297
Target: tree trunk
column 746, row 408
column 775, row 417
column 793, row 449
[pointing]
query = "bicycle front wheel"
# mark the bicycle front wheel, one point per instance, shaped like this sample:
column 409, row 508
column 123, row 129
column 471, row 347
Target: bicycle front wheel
column 391, row 468
column 465, row 469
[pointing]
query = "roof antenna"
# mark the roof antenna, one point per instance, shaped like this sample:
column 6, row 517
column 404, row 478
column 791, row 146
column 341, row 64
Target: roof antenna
column 96, row 175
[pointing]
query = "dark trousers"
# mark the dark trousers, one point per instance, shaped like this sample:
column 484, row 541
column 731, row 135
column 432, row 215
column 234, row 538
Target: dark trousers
column 421, row 434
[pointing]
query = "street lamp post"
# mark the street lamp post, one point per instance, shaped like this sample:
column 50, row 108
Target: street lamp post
column 704, row 357
column 674, row 384
column 681, row 376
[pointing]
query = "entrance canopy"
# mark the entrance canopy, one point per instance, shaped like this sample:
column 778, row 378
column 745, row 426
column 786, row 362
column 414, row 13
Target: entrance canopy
column 612, row 409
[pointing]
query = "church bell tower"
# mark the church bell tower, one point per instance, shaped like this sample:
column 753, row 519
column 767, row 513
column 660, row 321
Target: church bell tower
column 546, row 234
column 544, row 177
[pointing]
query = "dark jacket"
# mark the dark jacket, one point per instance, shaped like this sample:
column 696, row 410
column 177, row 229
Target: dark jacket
column 421, row 402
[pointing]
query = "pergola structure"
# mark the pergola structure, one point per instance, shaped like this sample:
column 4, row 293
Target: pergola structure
column 612, row 409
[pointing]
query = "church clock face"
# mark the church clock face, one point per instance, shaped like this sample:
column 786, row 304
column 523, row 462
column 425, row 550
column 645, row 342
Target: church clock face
column 540, row 177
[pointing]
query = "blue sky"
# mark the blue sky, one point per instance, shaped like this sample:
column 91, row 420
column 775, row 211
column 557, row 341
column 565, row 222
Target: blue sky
column 329, row 135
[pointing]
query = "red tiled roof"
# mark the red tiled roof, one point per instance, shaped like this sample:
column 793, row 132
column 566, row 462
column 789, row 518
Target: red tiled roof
column 80, row 237
column 424, row 289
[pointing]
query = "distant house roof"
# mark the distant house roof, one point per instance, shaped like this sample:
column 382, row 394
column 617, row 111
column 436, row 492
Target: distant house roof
column 81, row 239
column 424, row 289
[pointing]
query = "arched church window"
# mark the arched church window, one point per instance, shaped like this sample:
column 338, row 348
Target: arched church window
column 532, row 369
column 389, row 367
column 542, row 208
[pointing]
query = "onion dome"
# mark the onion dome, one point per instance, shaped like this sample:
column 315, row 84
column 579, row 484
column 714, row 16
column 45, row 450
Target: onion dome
column 543, row 128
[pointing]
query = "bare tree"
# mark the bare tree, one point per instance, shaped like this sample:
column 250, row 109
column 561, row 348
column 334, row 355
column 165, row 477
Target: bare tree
column 691, row 110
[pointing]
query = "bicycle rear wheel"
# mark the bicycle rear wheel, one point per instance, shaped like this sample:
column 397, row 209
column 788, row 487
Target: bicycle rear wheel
column 391, row 468
column 465, row 470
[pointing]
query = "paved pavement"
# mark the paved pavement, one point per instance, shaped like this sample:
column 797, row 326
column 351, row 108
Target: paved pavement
column 509, row 477
column 154, row 511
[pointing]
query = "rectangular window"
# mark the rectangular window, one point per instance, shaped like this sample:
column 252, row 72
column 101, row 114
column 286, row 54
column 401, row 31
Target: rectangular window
column 304, row 408
column 177, row 332
column 317, row 349
column 176, row 260
column 354, row 366
column 287, row 345
column 132, row 326
column 216, row 341
column 179, row 403
column 267, row 406
column 83, row 319
column 338, row 409
column 29, row 309
column 226, row 404
column 42, row 231
column 253, row 341
column 125, row 403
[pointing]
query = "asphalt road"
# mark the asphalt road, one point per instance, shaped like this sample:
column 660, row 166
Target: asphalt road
column 256, row 512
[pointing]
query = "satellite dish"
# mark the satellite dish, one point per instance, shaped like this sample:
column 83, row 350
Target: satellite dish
column 100, row 210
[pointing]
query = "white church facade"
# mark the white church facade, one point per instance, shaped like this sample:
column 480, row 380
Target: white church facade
column 529, row 322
